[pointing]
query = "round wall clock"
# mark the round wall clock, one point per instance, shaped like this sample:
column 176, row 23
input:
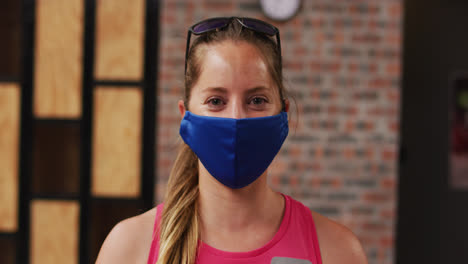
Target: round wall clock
column 280, row 10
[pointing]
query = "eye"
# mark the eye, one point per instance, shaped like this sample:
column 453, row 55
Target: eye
column 215, row 103
column 258, row 100
column 258, row 103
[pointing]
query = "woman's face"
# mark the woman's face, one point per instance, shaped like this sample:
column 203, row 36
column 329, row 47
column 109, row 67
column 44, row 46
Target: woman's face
column 234, row 83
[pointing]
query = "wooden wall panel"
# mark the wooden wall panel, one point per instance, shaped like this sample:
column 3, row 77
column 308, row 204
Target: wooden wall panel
column 58, row 61
column 119, row 39
column 117, row 142
column 54, row 232
column 9, row 148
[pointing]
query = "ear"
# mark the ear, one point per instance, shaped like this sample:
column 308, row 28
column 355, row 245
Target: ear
column 181, row 108
column 286, row 105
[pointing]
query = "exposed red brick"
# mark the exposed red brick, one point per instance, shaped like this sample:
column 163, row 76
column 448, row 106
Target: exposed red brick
column 374, row 226
column 295, row 151
column 395, row 10
column 383, row 111
column 375, row 197
column 377, row 83
column 365, row 38
column 388, row 184
column 338, row 37
column 168, row 19
column 300, row 51
column 352, row 67
column 349, row 126
column 315, row 94
column 393, row 39
column 394, row 127
column 370, row 126
column 387, row 214
column 218, row 5
column 393, row 96
column 165, row 76
column 370, row 153
column 386, row 241
column 319, row 153
column 165, row 162
column 388, row 155
column 317, row 22
column 296, row 22
column 349, row 153
column 316, row 166
column 294, row 180
column 294, row 65
column 393, row 69
column 337, row 183
column 332, row 109
column 314, row 183
column 367, row 240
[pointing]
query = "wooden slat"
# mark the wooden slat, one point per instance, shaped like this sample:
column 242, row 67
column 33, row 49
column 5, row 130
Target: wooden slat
column 117, row 142
column 54, row 232
column 119, row 39
column 9, row 131
column 58, row 61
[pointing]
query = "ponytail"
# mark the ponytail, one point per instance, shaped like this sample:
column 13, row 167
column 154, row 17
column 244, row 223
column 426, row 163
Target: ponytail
column 179, row 228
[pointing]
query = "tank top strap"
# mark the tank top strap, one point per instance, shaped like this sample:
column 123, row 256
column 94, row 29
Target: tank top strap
column 315, row 241
column 308, row 225
column 154, row 250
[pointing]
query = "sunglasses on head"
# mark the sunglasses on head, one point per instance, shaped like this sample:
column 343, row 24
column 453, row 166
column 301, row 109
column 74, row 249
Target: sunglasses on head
column 219, row 23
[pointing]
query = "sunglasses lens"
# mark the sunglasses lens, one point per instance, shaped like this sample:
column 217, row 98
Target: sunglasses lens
column 259, row 26
column 209, row 25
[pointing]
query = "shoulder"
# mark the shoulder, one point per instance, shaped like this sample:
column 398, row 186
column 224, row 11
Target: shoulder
column 129, row 241
column 337, row 243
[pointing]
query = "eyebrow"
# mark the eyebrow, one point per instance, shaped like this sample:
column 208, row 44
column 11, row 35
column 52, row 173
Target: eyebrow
column 250, row 91
column 215, row 89
column 258, row 89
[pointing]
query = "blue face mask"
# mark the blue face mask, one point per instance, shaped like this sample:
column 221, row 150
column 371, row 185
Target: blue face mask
column 235, row 151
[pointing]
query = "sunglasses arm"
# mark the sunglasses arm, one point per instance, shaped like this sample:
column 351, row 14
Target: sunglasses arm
column 278, row 43
column 189, row 34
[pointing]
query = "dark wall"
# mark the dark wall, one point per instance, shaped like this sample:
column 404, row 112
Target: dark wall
column 10, row 32
column 433, row 217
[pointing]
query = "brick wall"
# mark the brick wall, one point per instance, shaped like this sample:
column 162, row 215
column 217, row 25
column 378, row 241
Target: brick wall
column 342, row 64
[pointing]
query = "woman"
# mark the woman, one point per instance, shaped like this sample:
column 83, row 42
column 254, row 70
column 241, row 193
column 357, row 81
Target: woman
column 218, row 207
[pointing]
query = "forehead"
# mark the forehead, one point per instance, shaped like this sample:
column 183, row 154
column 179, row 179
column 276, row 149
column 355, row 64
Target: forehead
column 233, row 65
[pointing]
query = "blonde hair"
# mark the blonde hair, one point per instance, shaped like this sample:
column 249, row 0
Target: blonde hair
column 179, row 229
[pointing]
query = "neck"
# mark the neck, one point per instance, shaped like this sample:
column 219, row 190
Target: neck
column 233, row 211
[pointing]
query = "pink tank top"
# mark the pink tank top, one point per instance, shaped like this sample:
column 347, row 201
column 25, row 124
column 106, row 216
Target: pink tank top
column 294, row 243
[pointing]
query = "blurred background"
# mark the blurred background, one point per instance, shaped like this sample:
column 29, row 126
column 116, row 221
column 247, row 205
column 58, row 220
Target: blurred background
column 378, row 142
